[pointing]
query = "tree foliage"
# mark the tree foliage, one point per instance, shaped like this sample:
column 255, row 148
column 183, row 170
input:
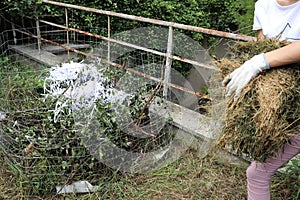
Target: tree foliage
column 227, row 15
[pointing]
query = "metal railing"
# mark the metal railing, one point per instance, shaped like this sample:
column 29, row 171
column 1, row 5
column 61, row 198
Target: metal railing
column 167, row 55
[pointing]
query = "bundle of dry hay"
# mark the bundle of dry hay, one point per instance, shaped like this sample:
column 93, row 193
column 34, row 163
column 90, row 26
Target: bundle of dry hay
column 266, row 114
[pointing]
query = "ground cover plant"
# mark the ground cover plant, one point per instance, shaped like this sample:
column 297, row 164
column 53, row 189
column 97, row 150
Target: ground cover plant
column 188, row 178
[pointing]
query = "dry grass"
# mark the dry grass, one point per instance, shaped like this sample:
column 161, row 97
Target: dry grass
column 266, row 114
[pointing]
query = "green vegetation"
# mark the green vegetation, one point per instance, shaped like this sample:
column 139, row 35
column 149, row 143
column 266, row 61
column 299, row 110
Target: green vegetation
column 227, row 15
column 32, row 142
column 188, row 178
column 41, row 154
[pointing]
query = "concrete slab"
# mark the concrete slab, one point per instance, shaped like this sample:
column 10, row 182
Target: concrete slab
column 43, row 57
column 183, row 118
column 58, row 49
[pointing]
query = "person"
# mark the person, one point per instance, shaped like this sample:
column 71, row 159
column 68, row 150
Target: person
column 277, row 19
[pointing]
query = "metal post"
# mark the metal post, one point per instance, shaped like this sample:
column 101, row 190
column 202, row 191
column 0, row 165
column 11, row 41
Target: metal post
column 167, row 71
column 38, row 31
column 67, row 25
column 108, row 35
column 14, row 33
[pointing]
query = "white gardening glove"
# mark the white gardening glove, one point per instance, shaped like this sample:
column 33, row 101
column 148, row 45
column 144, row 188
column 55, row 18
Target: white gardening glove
column 240, row 77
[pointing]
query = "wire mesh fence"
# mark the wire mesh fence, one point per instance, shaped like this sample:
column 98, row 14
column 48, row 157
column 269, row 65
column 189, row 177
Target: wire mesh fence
column 72, row 118
column 43, row 153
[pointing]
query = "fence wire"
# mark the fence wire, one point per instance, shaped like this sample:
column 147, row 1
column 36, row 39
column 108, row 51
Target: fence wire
column 51, row 142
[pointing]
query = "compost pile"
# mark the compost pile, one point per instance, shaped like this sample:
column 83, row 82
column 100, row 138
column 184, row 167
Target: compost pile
column 38, row 135
column 266, row 114
column 46, row 135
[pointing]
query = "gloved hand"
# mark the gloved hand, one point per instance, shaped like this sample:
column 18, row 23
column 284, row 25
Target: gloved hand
column 241, row 76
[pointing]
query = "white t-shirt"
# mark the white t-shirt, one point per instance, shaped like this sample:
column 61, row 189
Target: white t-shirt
column 276, row 21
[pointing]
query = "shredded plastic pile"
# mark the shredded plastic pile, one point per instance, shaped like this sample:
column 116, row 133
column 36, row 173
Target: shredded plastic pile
column 80, row 84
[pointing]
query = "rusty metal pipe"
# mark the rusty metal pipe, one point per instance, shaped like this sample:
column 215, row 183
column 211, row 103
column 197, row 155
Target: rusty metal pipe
column 157, row 22
column 132, row 46
column 117, row 65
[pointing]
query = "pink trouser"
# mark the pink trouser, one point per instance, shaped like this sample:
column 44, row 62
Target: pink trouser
column 259, row 174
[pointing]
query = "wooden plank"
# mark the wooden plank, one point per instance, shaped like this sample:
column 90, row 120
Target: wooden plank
column 42, row 57
column 58, row 49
